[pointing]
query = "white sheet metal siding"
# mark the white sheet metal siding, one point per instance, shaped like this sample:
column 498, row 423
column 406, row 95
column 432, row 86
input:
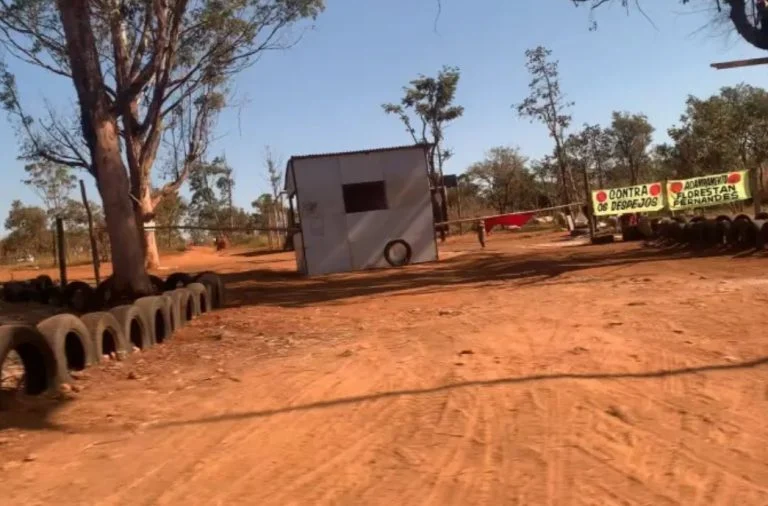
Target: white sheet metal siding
column 338, row 242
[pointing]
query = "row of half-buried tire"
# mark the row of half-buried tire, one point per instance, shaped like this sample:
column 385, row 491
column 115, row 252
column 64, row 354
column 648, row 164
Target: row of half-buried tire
column 81, row 297
column 63, row 343
column 739, row 232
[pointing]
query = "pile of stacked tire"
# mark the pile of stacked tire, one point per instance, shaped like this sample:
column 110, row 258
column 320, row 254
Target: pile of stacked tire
column 740, row 232
column 104, row 327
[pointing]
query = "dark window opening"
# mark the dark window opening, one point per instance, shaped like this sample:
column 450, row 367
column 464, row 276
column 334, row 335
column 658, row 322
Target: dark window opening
column 364, row 197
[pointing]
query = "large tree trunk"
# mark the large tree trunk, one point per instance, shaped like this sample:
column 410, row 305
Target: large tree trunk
column 99, row 125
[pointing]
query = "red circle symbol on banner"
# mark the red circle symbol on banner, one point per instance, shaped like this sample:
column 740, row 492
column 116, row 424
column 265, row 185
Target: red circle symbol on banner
column 734, row 178
column 655, row 190
column 676, row 187
column 601, row 197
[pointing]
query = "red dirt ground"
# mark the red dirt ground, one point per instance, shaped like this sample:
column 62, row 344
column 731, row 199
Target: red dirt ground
column 537, row 371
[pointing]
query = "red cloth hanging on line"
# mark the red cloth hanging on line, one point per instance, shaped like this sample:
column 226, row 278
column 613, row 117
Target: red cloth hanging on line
column 518, row 219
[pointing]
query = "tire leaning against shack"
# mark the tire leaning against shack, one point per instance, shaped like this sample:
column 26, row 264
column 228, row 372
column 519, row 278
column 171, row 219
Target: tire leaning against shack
column 126, row 315
column 103, row 321
column 216, row 288
column 56, row 330
column 36, row 355
column 152, row 308
column 388, row 253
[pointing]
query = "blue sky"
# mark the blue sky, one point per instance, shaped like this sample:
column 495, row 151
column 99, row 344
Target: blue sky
column 325, row 94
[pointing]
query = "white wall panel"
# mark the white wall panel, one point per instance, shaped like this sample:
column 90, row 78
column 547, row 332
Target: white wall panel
column 361, row 168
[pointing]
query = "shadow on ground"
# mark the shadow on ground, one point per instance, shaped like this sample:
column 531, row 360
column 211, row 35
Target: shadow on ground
column 290, row 289
column 23, row 412
column 596, row 376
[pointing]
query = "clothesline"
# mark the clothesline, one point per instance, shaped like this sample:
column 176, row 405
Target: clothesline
column 490, row 217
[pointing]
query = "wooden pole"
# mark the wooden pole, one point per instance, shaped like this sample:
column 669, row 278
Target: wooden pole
column 91, row 236
column 458, row 206
column 62, row 252
column 757, row 194
column 588, row 197
column 53, row 241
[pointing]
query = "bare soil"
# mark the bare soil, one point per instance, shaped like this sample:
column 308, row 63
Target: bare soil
column 537, row 371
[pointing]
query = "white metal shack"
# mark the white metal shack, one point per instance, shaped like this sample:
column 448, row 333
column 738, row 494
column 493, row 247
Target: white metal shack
column 361, row 209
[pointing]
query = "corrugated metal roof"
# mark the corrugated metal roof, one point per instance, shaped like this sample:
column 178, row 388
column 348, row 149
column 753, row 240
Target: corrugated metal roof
column 358, row 152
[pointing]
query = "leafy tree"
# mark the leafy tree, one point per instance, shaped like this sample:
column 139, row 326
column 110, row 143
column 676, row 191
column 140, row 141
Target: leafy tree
column 722, row 132
column 503, row 180
column 28, row 230
column 632, row 135
column 592, row 148
column 142, row 72
column 211, row 204
column 546, row 104
column 52, row 182
column 426, row 109
column 170, row 212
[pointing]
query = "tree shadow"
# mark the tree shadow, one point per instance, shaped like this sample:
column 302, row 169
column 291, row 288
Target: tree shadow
column 347, row 401
column 291, row 289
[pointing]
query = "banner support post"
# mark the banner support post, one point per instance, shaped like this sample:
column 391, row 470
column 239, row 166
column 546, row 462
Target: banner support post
column 757, row 196
column 588, row 197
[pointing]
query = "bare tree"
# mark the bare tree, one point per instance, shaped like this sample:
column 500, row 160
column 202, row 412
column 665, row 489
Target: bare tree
column 138, row 67
column 276, row 213
column 749, row 18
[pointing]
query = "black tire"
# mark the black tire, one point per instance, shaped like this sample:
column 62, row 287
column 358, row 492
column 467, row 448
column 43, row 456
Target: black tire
column 43, row 282
column 710, row 233
column 756, row 236
column 742, row 217
column 762, row 240
column 742, row 234
column 13, row 291
column 104, row 296
column 107, row 335
column 723, row 233
column 398, row 262
column 202, row 297
column 761, row 216
column 215, row 286
column 177, row 280
column 157, row 315
column 54, row 296
column 184, row 301
column 79, row 296
column 36, row 355
column 71, row 343
column 157, row 284
column 135, row 328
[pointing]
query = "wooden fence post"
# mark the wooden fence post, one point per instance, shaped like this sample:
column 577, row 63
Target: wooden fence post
column 91, row 236
column 62, row 252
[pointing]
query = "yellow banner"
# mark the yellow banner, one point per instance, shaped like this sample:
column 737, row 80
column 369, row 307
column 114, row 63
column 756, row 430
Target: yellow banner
column 642, row 198
column 704, row 191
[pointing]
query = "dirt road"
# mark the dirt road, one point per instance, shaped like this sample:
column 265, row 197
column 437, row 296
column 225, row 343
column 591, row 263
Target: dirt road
column 531, row 374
